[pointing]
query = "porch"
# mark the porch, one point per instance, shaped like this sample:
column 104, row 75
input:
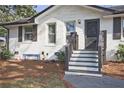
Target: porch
column 86, row 61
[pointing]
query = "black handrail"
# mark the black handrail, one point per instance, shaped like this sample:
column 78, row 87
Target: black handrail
column 101, row 48
column 68, row 52
column 72, row 44
column 100, row 57
column 100, row 51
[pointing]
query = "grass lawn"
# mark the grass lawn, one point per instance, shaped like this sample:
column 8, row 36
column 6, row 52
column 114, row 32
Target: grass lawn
column 31, row 74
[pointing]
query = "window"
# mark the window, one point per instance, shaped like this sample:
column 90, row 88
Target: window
column 28, row 35
column 52, row 33
column 117, row 28
column 123, row 28
column 70, row 26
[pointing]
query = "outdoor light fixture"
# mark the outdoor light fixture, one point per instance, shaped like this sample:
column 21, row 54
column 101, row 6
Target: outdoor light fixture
column 79, row 21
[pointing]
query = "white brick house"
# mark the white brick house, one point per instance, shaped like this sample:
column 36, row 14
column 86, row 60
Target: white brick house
column 46, row 31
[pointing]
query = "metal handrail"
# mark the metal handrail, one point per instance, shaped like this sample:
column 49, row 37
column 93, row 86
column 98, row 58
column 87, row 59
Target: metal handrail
column 101, row 49
column 71, row 45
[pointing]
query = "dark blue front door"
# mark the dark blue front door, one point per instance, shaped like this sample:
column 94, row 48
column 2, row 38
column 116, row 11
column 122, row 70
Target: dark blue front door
column 92, row 28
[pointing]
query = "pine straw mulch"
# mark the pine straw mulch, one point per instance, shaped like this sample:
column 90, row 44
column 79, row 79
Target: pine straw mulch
column 32, row 74
column 45, row 74
column 114, row 69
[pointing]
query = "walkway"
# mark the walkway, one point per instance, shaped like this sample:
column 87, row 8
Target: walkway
column 94, row 82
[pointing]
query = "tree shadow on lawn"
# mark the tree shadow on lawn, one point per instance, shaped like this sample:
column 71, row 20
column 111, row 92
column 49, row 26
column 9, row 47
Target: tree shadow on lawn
column 38, row 82
column 11, row 71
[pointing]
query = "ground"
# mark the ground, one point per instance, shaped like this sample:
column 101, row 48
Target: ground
column 114, row 69
column 112, row 77
column 51, row 74
column 32, row 74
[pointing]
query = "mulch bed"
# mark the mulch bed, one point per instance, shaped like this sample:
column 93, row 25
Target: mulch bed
column 14, row 70
column 114, row 69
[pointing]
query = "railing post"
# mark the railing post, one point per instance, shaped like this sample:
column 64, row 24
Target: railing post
column 72, row 44
column 104, row 35
column 100, row 58
column 66, row 56
column 76, row 42
column 102, row 48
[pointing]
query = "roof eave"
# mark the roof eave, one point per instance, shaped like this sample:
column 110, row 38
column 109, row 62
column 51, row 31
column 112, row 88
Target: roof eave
column 102, row 8
column 10, row 24
column 42, row 12
column 31, row 20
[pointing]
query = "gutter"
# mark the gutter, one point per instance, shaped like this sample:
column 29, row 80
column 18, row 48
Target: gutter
column 103, row 8
column 15, row 23
column 114, row 15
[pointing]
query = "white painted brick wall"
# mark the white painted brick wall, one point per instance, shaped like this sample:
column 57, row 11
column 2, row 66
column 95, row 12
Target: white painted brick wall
column 60, row 15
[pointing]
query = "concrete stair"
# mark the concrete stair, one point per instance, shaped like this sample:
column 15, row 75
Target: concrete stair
column 84, row 63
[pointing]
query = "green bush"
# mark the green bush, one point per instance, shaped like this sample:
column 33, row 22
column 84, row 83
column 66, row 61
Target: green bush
column 120, row 52
column 6, row 54
column 60, row 55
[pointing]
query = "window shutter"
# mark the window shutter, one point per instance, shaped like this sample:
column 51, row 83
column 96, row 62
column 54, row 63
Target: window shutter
column 34, row 33
column 20, row 34
column 117, row 28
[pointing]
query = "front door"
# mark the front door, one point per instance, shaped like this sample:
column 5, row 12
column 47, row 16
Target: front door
column 92, row 28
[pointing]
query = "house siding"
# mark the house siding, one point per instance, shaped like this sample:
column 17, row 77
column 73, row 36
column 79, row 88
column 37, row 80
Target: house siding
column 111, row 43
column 60, row 15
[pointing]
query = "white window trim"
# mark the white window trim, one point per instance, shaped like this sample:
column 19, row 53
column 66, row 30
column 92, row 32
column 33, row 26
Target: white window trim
column 122, row 32
column 67, row 32
column 25, row 41
column 48, row 43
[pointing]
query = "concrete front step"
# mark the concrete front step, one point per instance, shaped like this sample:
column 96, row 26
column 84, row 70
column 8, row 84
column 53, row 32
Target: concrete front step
column 84, row 59
column 83, row 63
column 85, row 55
column 79, row 73
column 85, row 52
column 83, row 68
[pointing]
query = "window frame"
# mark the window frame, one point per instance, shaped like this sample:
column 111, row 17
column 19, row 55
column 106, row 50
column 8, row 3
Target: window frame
column 50, row 33
column 122, row 28
column 74, row 26
column 30, row 32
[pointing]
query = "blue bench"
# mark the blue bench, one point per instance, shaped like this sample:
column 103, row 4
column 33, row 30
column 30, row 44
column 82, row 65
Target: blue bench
column 31, row 55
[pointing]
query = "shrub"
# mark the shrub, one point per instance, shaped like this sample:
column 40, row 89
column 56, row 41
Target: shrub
column 6, row 54
column 120, row 52
column 60, row 55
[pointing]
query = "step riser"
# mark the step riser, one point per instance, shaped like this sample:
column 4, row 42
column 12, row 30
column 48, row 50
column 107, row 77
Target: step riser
column 78, row 73
column 83, row 68
column 84, row 59
column 83, row 63
column 84, row 55
column 90, row 52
